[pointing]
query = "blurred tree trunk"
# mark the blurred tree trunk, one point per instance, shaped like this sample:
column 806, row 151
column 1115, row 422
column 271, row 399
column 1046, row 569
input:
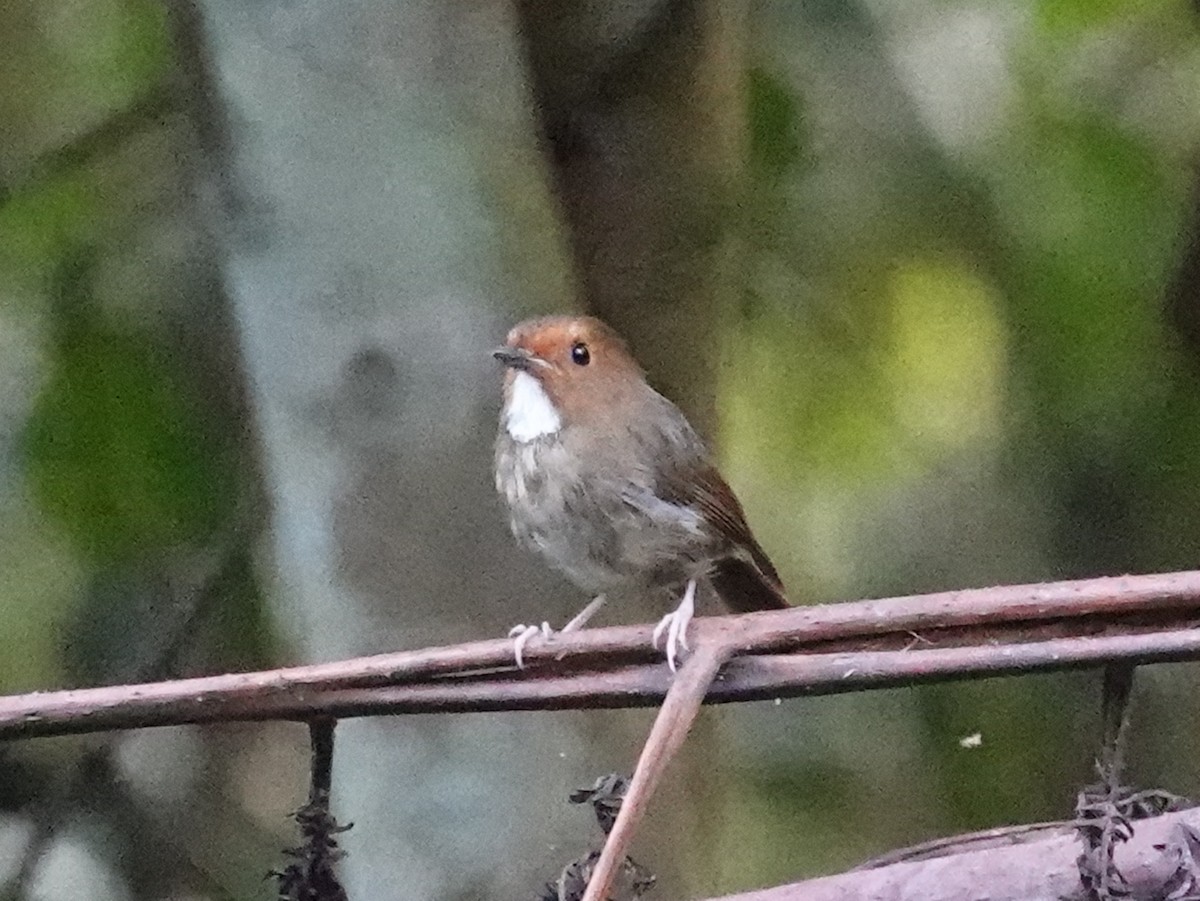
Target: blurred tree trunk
column 367, row 162
column 643, row 110
column 643, row 114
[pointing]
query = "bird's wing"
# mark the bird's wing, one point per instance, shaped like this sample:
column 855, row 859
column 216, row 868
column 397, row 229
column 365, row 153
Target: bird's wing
column 745, row 577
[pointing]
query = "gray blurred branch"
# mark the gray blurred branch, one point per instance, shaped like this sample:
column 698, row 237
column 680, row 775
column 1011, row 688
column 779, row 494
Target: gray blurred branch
column 145, row 113
column 805, row 651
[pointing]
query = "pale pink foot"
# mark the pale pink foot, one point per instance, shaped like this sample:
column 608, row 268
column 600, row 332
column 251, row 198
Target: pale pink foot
column 522, row 633
column 675, row 625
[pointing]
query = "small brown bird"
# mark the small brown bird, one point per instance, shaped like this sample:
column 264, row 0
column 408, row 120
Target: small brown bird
column 606, row 479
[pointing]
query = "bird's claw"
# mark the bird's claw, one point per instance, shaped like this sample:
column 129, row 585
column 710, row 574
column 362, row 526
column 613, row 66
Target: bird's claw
column 522, row 633
column 676, row 637
column 675, row 625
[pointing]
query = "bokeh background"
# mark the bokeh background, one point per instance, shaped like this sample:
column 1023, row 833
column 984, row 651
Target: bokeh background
column 925, row 271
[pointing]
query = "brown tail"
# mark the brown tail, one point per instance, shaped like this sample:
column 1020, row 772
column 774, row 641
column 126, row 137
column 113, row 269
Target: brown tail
column 744, row 587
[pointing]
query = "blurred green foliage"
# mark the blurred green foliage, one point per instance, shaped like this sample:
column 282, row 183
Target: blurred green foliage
column 113, row 450
column 68, row 65
column 124, row 471
column 776, row 136
column 40, row 225
column 1072, row 16
column 974, row 381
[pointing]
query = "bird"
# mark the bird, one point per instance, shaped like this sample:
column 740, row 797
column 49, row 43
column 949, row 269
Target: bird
column 607, row 480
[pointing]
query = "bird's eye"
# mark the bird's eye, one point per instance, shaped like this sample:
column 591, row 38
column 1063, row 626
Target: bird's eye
column 580, row 355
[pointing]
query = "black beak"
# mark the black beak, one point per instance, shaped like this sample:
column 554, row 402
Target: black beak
column 514, row 357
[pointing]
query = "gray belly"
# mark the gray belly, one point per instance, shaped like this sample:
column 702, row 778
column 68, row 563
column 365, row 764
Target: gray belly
column 605, row 537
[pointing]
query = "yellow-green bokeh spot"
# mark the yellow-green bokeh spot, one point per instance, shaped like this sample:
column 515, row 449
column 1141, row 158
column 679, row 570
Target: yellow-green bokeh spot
column 945, row 357
column 792, row 401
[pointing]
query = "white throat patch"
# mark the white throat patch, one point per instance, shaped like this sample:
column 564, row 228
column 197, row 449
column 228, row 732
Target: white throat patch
column 530, row 413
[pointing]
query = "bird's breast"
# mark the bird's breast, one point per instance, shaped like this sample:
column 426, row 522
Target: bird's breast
column 606, row 533
column 552, row 511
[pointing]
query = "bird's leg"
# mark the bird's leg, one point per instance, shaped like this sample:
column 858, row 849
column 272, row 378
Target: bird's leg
column 522, row 633
column 581, row 618
column 675, row 623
